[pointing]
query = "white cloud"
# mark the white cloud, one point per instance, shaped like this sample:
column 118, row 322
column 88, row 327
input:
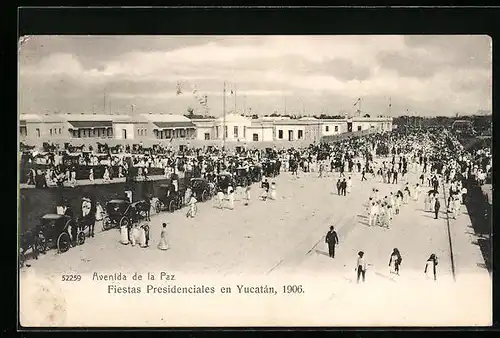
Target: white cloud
column 265, row 64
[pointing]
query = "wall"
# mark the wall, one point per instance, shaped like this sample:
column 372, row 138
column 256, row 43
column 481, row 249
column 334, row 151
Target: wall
column 45, row 130
column 285, row 127
column 230, row 130
column 265, row 133
column 341, row 128
column 201, row 130
column 144, row 128
column 118, row 133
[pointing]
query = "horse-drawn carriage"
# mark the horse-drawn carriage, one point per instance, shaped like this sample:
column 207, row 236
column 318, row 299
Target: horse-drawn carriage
column 224, row 180
column 255, row 172
column 202, row 189
column 54, row 230
column 120, row 212
column 243, row 177
column 169, row 199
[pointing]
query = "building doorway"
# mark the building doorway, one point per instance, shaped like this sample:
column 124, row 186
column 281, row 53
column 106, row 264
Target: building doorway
column 349, row 127
column 290, row 135
column 124, row 132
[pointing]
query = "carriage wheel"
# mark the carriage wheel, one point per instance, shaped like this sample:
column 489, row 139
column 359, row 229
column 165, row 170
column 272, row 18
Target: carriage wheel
column 106, row 223
column 63, row 242
column 204, row 196
column 80, row 238
column 158, row 207
column 171, row 206
column 124, row 222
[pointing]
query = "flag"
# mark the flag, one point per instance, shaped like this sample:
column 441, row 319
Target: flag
column 179, row 88
column 357, row 101
column 232, row 92
column 390, row 104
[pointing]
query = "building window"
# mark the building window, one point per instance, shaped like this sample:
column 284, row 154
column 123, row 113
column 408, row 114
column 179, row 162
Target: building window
column 280, row 134
column 327, row 128
column 235, row 131
column 359, row 128
column 255, row 137
column 183, row 132
column 50, row 131
column 60, row 131
column 225, row 131
column 108, row 133
column 145, row 132
column 217, row 132
column 168, row 133
column 301, row 134
column 372, row 126
column 207, row 136
column 244, row 131
column 336, row 128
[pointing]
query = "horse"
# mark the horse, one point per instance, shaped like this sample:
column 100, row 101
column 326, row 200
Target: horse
column 30, row 239
column 143, row 208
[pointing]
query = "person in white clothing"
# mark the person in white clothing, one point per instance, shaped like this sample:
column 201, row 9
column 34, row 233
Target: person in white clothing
column 91, row 175
column 416, row 193
column 272, row 191
column 105, row 176
column 361, row 267
column 192, row 207
column 247, row 195
column 372, row 217
column 349, row 185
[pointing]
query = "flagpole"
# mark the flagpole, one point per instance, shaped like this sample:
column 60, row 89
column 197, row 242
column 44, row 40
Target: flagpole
column 244, row 105
column 104, row 104
column 235, row 99
column 224, row 117
column 285, row 105
column 390, row 106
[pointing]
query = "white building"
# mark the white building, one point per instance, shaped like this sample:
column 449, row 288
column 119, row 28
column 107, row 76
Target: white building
column 234, row 129
column 170, row 126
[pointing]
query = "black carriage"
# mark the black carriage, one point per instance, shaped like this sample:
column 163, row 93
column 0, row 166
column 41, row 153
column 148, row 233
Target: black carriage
column 57, row 230
column 242, row 177
column 255, row 172
column 120, row 212
column 202, row 189
column 169, row 199
column 224, row 181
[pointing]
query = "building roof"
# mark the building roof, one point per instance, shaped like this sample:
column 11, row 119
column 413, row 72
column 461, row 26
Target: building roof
column 308, row 118
column 165, row 118
column 90, row 124
column 234, row 118
column 169, row 125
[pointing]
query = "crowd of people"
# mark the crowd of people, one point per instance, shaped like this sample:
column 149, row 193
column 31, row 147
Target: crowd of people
column 439, row 159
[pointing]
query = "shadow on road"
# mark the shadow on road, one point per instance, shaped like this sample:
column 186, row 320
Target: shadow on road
column 479, row 211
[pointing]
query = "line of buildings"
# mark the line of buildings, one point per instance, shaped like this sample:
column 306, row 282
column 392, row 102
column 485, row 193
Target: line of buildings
column 142, row 127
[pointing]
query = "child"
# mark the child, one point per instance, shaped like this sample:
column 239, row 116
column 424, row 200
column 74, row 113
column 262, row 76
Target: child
column 220, row 198
column 192, row 207
column 230, row 197
column 272, row 194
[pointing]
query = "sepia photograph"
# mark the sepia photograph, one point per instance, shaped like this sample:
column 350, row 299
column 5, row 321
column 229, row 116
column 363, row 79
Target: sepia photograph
column 260, row 180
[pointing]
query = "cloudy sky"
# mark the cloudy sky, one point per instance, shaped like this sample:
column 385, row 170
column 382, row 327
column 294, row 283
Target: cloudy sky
column 428, row 75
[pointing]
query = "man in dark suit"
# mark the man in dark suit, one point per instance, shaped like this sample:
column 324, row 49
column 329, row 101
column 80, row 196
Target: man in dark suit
column 437, row 205
column 331, row 239
column 343, row 187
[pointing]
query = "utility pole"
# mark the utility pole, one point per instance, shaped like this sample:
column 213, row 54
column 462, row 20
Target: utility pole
column 224, row 117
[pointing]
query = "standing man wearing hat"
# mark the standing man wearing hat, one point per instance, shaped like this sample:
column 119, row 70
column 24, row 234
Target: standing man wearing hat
column 331, row 239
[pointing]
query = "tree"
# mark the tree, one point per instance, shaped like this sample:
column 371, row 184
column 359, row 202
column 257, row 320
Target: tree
column 190, row 111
